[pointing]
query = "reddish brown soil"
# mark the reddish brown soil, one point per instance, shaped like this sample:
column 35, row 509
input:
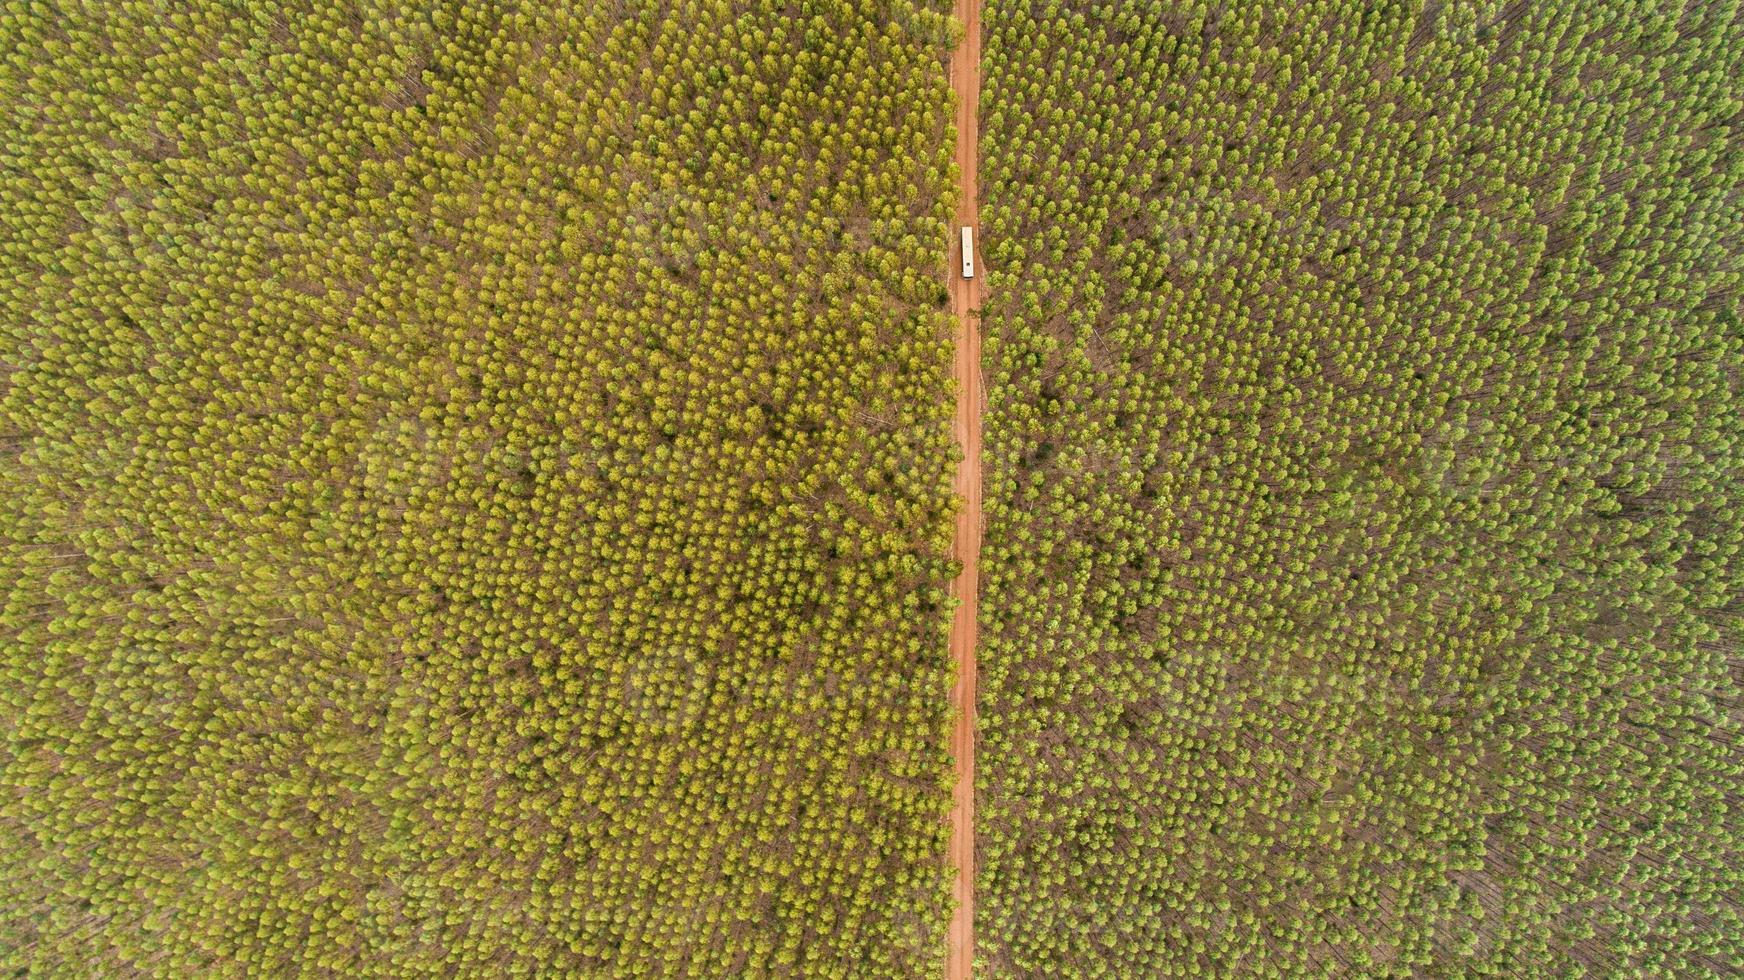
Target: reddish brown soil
column 965, row 301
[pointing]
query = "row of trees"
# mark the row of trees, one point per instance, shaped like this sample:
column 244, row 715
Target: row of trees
column 1363, row 446
column 478, row 486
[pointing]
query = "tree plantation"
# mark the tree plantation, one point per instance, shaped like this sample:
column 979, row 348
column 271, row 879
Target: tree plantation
column 1362, row 489
column 477, row 486
column 484, row 490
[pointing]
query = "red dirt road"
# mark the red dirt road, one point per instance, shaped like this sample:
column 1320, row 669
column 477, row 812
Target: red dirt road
column 965, row 301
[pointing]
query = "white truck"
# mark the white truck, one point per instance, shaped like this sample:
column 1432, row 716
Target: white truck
column 968, row 252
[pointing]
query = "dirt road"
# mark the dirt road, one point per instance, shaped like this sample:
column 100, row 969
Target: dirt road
column 965, row 300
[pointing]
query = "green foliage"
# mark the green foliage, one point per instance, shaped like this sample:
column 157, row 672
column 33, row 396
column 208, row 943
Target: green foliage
column 477, row 484
column 1363, row 496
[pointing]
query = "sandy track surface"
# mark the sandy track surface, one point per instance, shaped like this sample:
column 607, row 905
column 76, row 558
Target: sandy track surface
column 965, row 300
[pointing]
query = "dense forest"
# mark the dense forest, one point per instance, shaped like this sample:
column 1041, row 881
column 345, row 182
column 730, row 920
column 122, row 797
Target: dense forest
column 478, row 488
column 1363, row 489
